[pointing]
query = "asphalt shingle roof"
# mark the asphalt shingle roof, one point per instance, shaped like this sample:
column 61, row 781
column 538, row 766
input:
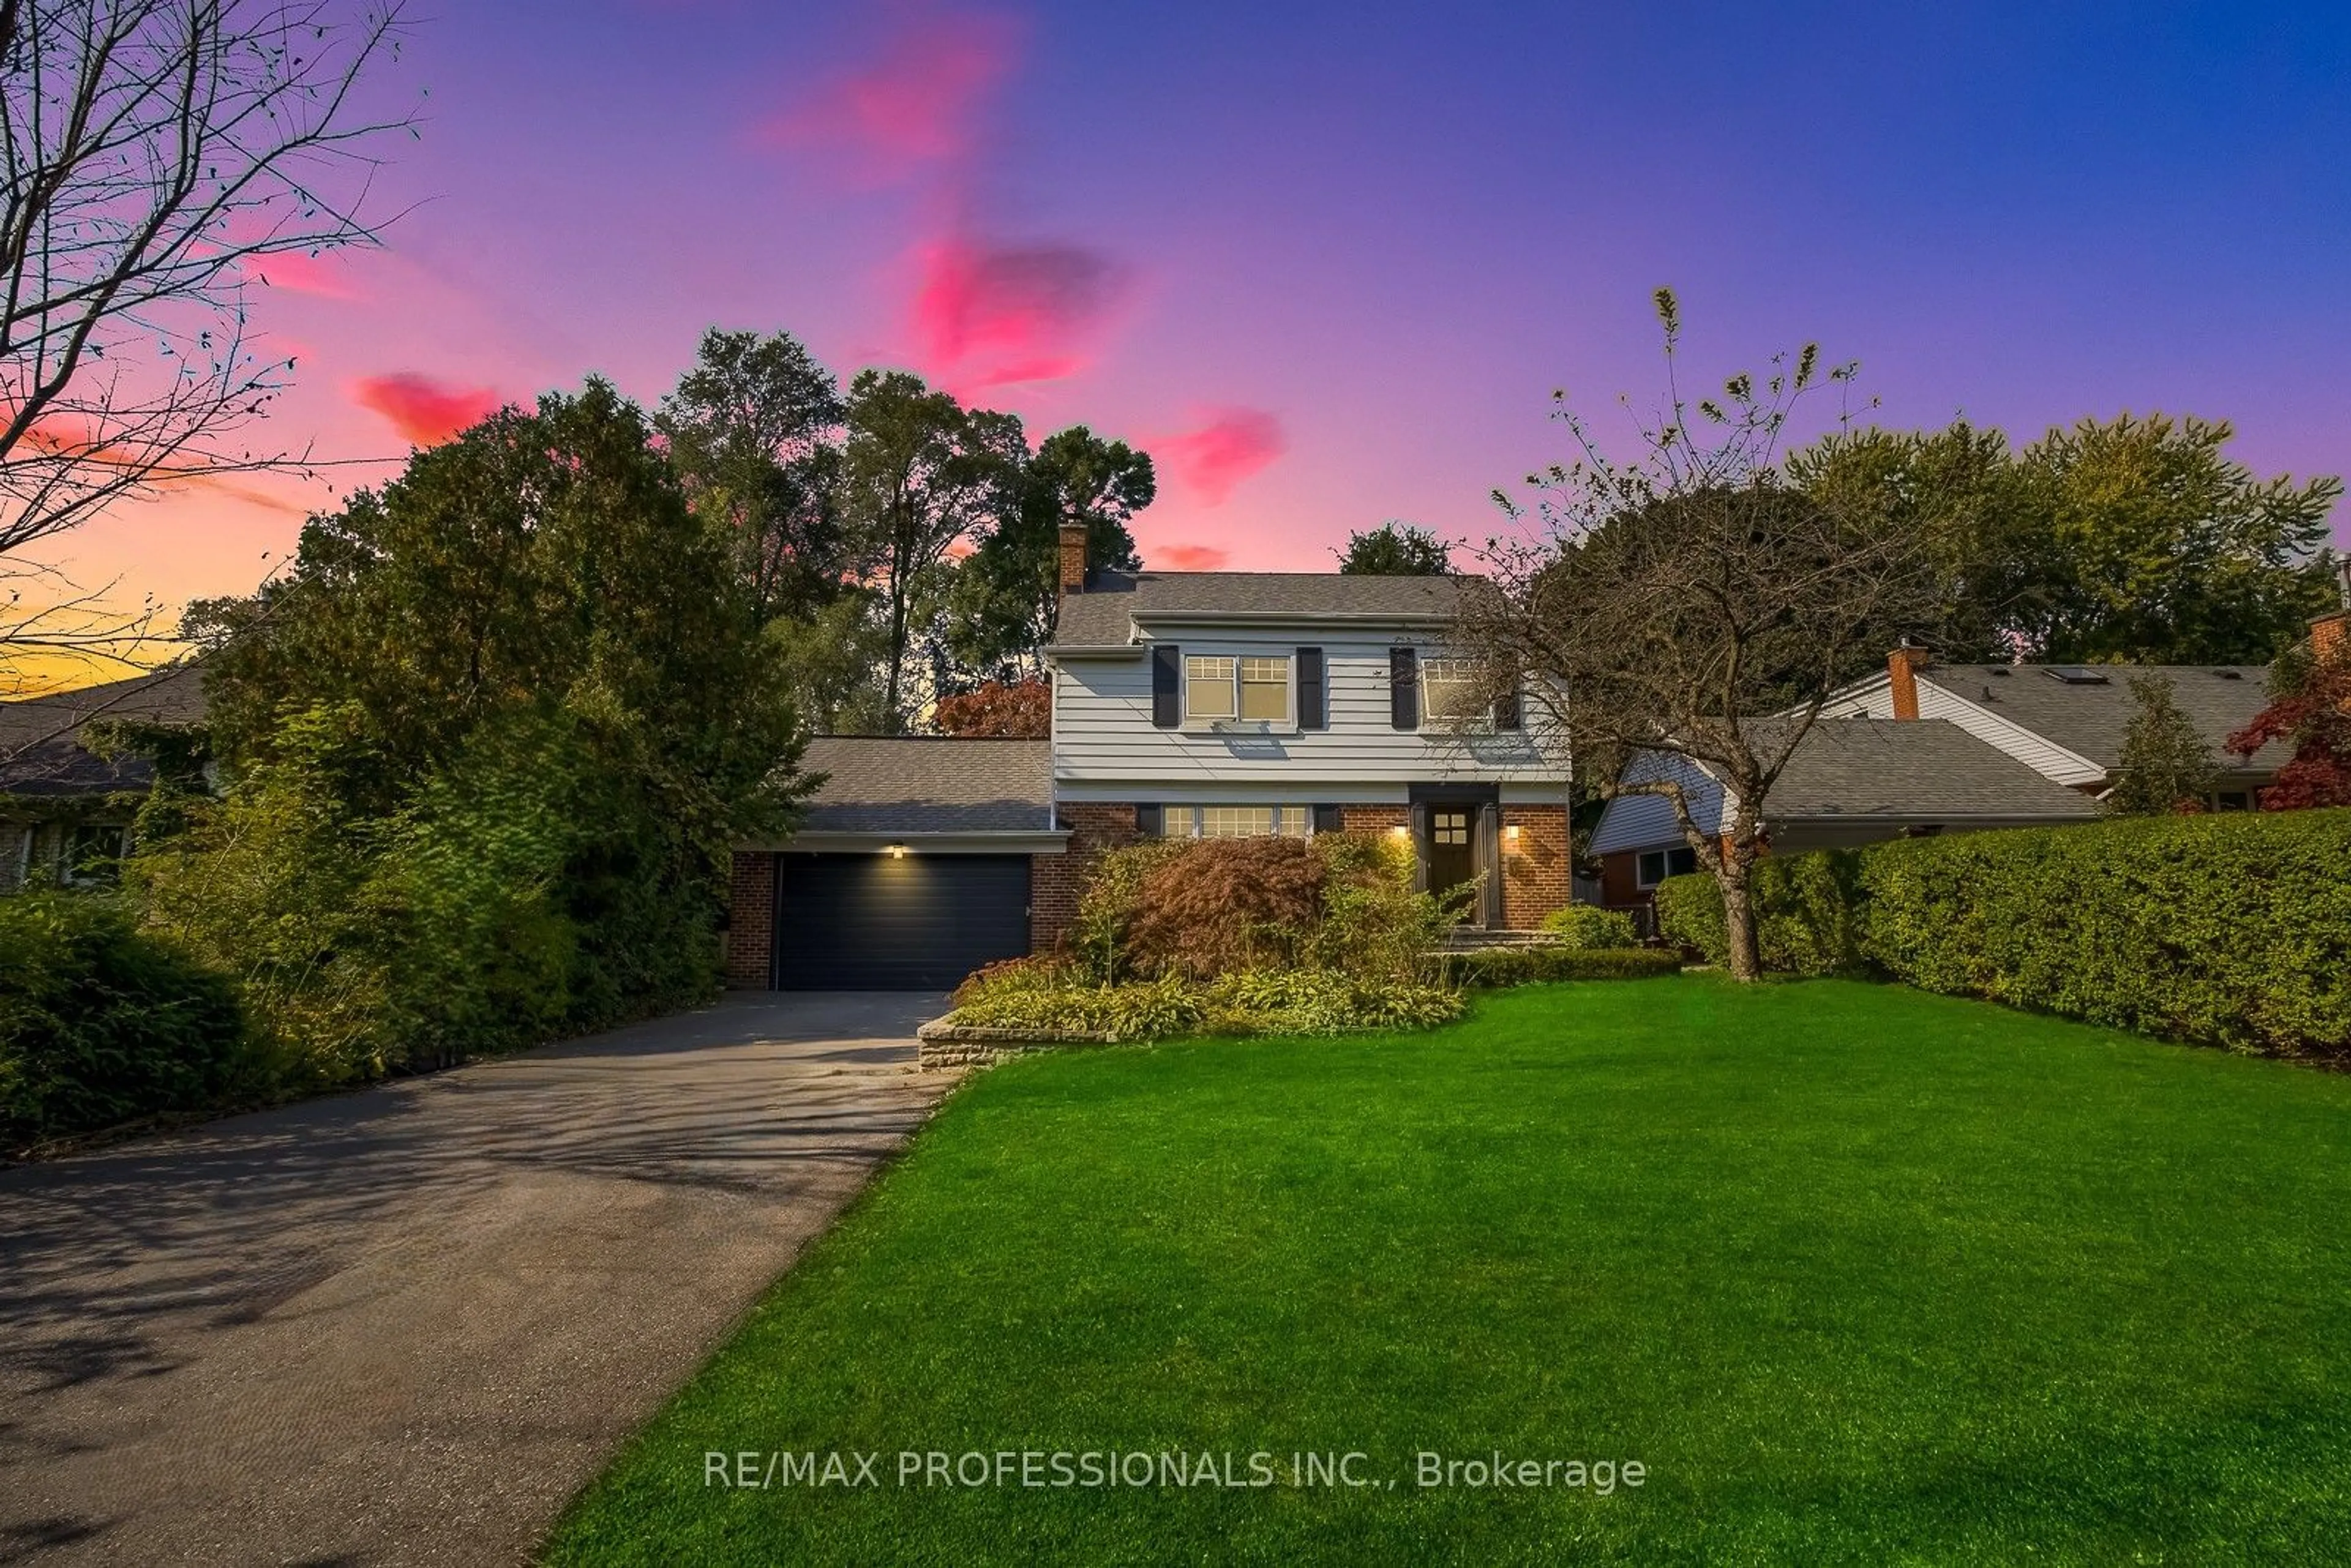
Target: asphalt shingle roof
column 1102, row 615
column 2089, row 719
column 41, row 752
column 1914, row 768
column 925, row 785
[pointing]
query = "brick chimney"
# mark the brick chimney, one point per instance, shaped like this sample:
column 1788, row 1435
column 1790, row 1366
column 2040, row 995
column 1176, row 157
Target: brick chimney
column 1073, row 558
column 2329, row 631
column 1902, row 666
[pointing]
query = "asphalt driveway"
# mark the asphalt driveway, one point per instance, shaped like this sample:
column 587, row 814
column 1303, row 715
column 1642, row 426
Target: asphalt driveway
column 403, row 1326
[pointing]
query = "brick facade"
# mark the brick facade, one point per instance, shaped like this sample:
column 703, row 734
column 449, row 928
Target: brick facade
column 1056, row 881
column 751, row 921
column 1538, row 876
column 1375, row 819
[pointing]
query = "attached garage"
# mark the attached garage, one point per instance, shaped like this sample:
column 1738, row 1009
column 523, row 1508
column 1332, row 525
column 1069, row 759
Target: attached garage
column 910, row 869
column 891, row 923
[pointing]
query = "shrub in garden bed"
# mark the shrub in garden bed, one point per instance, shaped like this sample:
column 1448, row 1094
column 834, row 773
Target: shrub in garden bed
column 1488, row 967
column 2230, row 930
column 1048, row 1000
column 102, row 1024
column 1587, row 926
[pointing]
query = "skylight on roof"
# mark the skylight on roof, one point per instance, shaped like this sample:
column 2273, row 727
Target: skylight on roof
column 2077, row 676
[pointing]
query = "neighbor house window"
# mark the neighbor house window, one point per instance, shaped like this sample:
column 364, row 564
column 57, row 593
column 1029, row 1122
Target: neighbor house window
column 2233, row 801
column 1254, row 689
column 1450, row 688
column 94, row 853
column 1208, row 691
column 1236, row 822
column 1653, row 866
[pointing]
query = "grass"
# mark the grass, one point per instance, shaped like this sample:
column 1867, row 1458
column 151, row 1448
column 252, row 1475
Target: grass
column 1858, row 1274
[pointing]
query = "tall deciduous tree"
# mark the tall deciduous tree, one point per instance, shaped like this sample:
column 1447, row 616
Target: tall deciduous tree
column 2130, row 541
column 158, row 155
column 1007, row 594
column 1693, row 608
column 920, row 474
column 753, row 430
column 2164, row 765
column 1395, row 550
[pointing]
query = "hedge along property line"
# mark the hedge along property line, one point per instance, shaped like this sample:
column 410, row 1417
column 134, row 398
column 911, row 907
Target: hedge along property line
column 1536, row 962
column 2224, row 930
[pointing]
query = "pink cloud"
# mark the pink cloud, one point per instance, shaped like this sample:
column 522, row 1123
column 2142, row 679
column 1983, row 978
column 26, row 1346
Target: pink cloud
column 991, row 315
column 301, row 274
column 914, row 104
column 1193, row 558
column 424, row 412
column 1234, row 443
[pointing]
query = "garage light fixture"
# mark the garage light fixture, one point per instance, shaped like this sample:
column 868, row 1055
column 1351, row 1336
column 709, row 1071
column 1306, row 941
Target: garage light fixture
column 897, row 851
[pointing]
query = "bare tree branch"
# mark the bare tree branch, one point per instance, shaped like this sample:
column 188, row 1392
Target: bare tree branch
column 155, row 153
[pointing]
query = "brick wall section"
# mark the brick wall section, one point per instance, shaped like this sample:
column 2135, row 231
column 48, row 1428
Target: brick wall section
column 1375, row 819
column 1537, row 875
column 750, row 921
column 1055, row 881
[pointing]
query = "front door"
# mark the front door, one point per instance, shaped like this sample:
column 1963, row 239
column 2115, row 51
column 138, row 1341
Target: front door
column 1452, row 851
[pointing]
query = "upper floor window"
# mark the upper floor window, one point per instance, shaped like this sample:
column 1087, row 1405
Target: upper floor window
column 1255, row 688
column 1452, row 691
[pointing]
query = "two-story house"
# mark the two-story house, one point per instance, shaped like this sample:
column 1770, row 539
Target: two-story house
column 1187, row 704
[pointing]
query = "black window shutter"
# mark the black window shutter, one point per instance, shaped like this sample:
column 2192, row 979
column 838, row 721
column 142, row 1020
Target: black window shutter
column 1506, row 711
column 1330, row 820
column 1167, row 685
column 1150, row 819
column 1404, row 688
column 1312, row 712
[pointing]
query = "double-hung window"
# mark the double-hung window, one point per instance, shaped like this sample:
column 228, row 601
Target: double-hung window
column 1451, row 691
column 1219, row 688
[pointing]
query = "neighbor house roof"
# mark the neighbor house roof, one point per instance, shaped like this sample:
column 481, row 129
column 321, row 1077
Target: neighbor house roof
column 1104, row 615
column 929, row 785
column 1926, row 768
column 41, row 750
column 2086, row 708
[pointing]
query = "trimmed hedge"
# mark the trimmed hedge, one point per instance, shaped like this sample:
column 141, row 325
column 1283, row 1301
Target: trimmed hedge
column 1045, row 999
column 1531, row 964
column 2231, row 930
column 100, row 1024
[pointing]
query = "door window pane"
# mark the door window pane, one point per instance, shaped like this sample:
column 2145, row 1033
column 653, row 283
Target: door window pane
column 1449, row 827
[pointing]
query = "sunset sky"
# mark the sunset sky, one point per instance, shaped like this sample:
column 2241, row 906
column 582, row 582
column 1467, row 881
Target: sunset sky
column 1328, row 267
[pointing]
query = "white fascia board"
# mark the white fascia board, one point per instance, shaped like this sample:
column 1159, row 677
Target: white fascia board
column 1060, row 653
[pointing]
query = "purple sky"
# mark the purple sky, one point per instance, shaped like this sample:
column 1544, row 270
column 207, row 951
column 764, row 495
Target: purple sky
column 1328, row 267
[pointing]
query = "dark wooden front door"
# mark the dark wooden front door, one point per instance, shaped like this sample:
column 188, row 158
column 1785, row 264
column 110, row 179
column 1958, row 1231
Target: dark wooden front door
column 1452, row 849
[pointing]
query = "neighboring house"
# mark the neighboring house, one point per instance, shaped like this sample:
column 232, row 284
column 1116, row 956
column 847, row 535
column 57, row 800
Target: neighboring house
column 1852, row 781
column 1185, row 705
column 1928, row 748
column 2067, row 721
column 65, row 810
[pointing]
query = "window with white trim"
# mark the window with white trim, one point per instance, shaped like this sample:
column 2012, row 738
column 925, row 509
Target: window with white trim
column 1253, row 688
column 1449, row 692
column 1265, row 688
column 1236, row 822
column 1209, row 689
column 1651, row 867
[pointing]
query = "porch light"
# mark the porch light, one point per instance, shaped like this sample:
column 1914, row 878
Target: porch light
column 1510, row 835
column 897, row 851
column 1399, row 831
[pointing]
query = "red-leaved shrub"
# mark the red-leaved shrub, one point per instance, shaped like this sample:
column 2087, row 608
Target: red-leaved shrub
column 1225, row 904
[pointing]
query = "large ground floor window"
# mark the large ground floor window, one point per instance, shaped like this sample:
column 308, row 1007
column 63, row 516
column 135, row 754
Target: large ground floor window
column 1236, row 822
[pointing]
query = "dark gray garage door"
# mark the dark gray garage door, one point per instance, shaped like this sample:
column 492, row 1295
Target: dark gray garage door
column 849, row 922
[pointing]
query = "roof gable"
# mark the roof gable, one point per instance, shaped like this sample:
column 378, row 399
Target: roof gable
column 1114, row 602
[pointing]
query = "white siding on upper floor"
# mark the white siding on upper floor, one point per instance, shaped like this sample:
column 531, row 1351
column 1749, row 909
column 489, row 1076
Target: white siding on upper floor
column 1873, row 698
column 1106, row 747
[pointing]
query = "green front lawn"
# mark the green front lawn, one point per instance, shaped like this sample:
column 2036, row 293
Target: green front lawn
column 1855, row 1273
